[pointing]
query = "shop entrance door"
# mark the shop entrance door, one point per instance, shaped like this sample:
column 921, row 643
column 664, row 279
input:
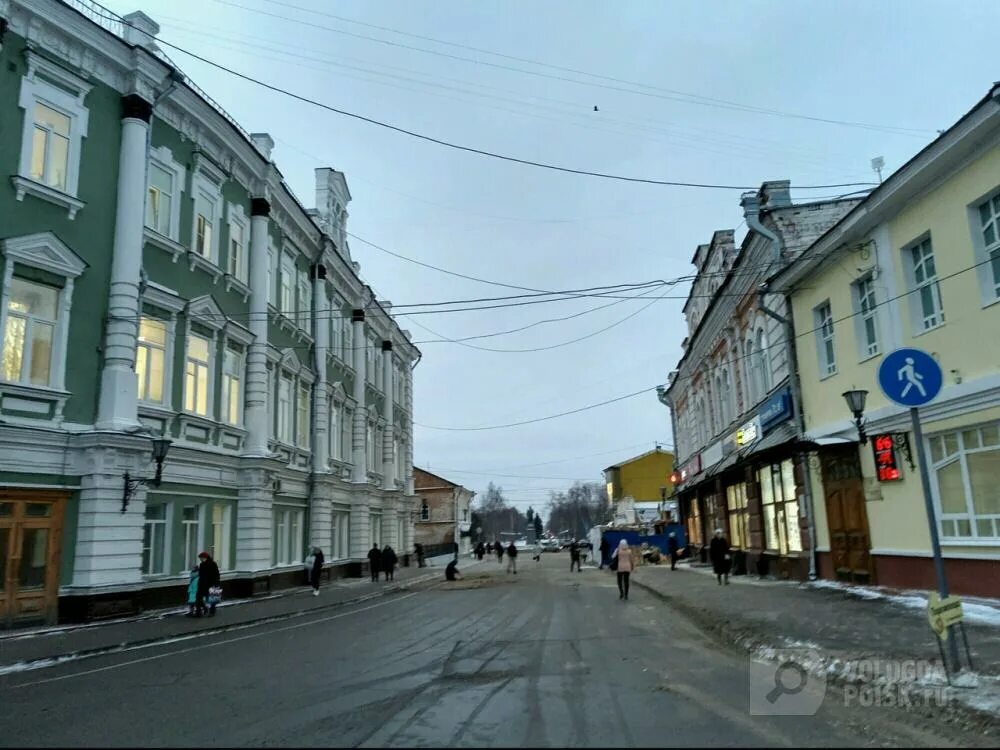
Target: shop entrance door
column 30, row 534
column 847, row 515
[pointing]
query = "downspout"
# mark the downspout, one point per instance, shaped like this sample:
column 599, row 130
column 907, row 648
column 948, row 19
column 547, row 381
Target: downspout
column 751, row 211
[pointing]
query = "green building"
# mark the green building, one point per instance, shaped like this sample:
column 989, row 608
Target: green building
column 161, row 282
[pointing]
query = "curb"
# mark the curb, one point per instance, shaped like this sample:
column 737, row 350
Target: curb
column 53, row 659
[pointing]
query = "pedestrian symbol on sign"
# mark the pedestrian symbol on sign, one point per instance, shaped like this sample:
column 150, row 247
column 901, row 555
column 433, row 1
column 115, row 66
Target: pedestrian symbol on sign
column 913, row 378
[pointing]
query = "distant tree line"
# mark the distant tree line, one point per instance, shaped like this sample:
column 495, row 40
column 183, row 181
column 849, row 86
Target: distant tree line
column 577, row 510
column 494, row 516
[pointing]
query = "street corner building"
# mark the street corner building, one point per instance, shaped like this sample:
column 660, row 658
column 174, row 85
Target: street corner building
column 784, row 327
column 162, row 283
column 641, row 485
column 444, row 518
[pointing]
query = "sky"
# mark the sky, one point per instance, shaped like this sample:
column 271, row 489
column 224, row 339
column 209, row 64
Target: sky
column 672, row 82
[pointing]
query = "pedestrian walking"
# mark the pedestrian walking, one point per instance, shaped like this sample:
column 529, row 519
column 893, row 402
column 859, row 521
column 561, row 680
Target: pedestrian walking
column 315, row 569
column 511, row 558
column 499, row 550
column 480, row 551
column 574, row 556
column 418, row 549
column 537, row 552
column 622, row 563
column 718, row 551
column 192, row 591
column 374, row 562
column 605, row 549
column 208, row 585
column 389, row 560
column 673, row 547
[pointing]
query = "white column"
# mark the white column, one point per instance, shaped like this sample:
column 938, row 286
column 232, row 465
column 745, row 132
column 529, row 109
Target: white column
column 388, row 475
column 408, row 430
column 254, row 528
column 118, row 398
column 359, row 475
column 321, row 410
column 255, row 412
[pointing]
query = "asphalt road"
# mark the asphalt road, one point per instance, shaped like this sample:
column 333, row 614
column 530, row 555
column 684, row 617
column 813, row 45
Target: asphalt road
column 547, row 658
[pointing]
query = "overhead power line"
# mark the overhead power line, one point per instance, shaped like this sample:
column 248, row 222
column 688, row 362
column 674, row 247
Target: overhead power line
column 464, row 148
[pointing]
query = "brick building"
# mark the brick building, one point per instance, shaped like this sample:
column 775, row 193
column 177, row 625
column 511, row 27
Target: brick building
column 443, row 511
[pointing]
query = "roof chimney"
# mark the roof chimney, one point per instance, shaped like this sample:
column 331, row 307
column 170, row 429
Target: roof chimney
column 264, row 143
column 776, row 194
column 141, row 30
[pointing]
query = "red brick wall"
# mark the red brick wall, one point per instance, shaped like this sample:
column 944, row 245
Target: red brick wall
column 965, row 577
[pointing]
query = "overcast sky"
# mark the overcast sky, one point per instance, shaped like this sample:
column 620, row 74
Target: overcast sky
column 902, row 64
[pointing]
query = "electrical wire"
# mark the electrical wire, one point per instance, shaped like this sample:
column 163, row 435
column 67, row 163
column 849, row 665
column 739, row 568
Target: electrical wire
column 669, row 94
column 460, row 147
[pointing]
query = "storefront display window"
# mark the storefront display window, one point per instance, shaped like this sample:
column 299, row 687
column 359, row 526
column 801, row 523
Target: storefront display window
column 781, row 507
column 736, row 501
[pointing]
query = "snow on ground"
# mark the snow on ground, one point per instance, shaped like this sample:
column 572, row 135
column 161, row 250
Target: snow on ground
column 978, row 610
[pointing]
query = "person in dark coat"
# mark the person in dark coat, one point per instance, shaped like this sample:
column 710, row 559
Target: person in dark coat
column 511, row 558
column 574, row 556
column 499, row 550
column 451, row 571
column 605, row 548
column 480, row 551
column 389, row 560
column 375, row 561
column 208, row 576
column 718, row 551
column 418, row 549
column 673, row 548
column 316, row 570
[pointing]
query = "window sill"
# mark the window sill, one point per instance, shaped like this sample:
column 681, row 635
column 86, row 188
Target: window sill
column 828, row 375
column 25, row 186
column 156, row 239
column 205, row 264
column 29, row 399
column 924, row 331
column 991, row 302
column 240, row 286
column 868, row 357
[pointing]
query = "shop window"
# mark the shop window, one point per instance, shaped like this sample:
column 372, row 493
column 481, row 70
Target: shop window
column 781, row 508
column 966, row 464
column 736, row 501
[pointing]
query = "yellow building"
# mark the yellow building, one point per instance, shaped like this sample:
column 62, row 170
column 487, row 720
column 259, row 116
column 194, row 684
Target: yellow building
column 644, row 478
column 916, row 264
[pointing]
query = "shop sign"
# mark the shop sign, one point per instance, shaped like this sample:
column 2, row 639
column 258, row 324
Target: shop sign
column 886, row 460
column 712, row 454
column 776, row 409
column 748, row 433
column 687, row 471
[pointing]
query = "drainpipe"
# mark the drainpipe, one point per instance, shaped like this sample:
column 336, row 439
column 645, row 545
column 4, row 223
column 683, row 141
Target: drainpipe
column 751, row 211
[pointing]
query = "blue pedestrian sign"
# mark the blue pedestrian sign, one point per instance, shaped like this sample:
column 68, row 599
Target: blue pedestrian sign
column 910, row 377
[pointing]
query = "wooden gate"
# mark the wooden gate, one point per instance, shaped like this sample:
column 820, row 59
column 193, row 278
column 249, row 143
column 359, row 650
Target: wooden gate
column 30, row 538
column 847, row 515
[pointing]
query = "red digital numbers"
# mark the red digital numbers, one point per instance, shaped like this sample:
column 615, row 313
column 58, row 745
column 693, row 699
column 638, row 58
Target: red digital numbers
column 886, row 466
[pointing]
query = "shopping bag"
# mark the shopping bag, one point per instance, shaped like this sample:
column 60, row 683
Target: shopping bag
column 614, row 563
column 214, row 595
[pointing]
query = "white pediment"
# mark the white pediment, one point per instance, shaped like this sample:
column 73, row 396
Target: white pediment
column 290, row 360
column 206, row 311
column 45, row 251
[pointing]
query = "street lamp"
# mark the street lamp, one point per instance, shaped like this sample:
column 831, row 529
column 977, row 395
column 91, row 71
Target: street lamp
column 856, row 403
column 160, row 448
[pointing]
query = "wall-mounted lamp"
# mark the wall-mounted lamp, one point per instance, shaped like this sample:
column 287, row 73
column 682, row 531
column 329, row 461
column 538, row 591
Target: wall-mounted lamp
column 856, row 403
column 160, row 448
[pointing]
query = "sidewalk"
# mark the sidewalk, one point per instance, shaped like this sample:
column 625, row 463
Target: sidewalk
column 834, row 626
column 30, row 648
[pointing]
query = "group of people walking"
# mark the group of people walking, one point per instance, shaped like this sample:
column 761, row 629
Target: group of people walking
column 382, row 561
column 204, row 590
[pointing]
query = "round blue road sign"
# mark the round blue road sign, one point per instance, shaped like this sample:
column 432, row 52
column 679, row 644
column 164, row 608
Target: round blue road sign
column 910, row 377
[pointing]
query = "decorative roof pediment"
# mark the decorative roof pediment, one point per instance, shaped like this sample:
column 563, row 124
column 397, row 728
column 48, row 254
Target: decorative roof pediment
column 290, row 360
column 45, row 251
column 206, row 311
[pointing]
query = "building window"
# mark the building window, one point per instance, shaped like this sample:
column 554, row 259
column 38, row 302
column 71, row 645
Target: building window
column 204, row 224
column 347, row 342
column 197, row 374
column 222, row 526
column 762, row 362
column 966, row 464
column 989, row 225
column 375, row 521
column 867, row 306
column 302, row 417
column 930, row 310
column 154, row 540
column 191, row 525
column 237, row 245
column 340, row 536
column 370, row 441
column 752, row 384
column 29, row 332
column 285, row 408
column 334, row 331
column 159, row 199
column 333, row 433
column 823, row 316
column 781, row 507
column 232, row 379
column 287, row 295
column 50, row 147
column 425, row 511
column 347, row 436
column 287, row 545
column 305, row 301
column 736, row 501
column 150, row 355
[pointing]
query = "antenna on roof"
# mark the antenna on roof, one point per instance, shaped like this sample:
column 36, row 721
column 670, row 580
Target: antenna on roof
column 877, row 163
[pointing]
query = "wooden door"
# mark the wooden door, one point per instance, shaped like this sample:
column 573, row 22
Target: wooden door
column 847, row 516
column 30, row 536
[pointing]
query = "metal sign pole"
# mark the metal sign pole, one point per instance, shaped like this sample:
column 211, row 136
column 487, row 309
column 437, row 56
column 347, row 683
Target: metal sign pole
column 925, row 481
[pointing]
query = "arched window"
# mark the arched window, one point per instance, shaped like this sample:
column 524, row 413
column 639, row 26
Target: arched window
column 751, row 387
column 727, row 398
column 425, row 511
column 720, row 401
column 763, row 365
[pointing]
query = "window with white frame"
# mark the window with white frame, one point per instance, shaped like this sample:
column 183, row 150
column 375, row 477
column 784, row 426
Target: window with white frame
column 302, row 416
column 222, row 527
column 150, row 359
column 271, row 433
column 340, row 536
column 347, row 343
column 346, row 435
column 370, row 445
column 30, row 332
column 154, row 540
column 232, row 384
column 55, row 124
column 237, row 261
column 375, row 521
column 285, row 413
column 823, row 316
column 989, row 225
column 762, row 362
column 197, row 374
column 923, row 274
column 866, row 306
column 752, row 386
column 333, row 433
column 191, row 534
column 305, row 302
column 780, row 505
column 966, row 465
column 206, row 220
column 727, row 398
column 286, row 548
column 159, row 199
column 286, row 297
column 335, row 329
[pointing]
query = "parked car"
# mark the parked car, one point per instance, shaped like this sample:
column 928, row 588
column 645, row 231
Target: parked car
column 549, row 545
